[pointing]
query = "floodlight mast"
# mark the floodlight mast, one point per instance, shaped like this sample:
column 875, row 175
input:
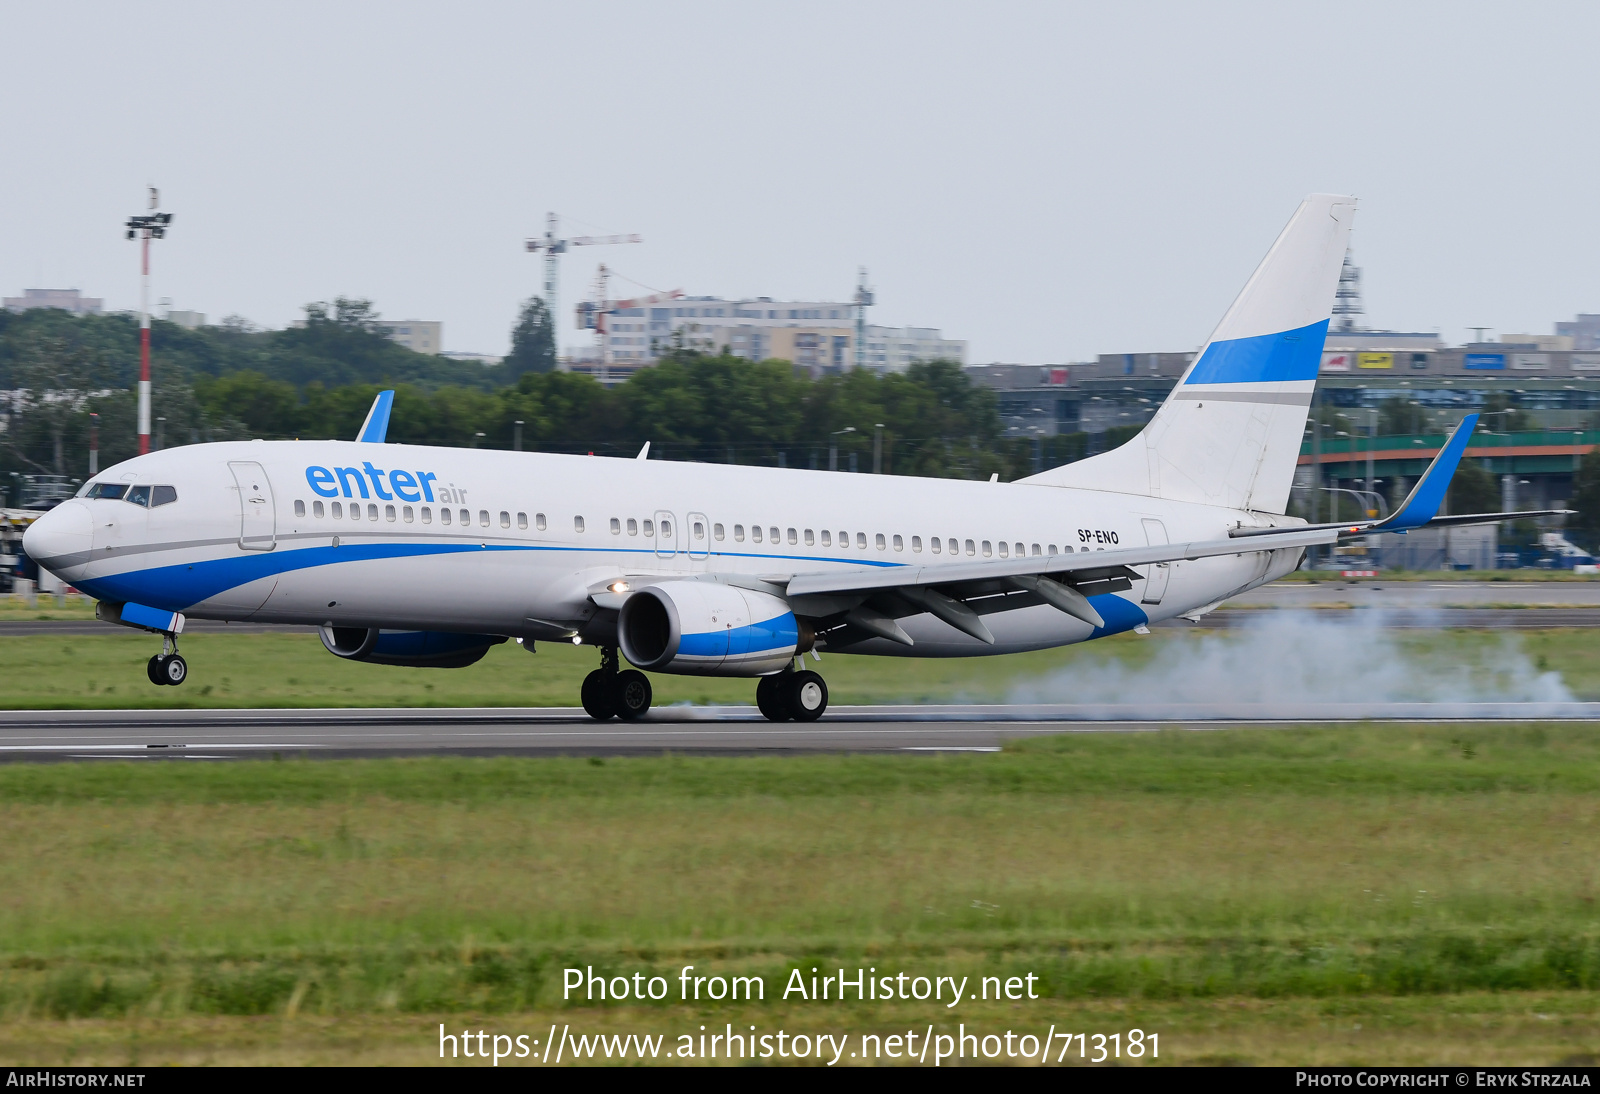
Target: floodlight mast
column 152, row 225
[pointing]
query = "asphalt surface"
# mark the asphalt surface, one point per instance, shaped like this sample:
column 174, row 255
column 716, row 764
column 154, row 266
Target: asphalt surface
column 330, row 734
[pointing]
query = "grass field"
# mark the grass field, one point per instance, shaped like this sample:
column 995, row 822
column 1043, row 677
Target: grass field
column 1354, row 894
column 293, row 670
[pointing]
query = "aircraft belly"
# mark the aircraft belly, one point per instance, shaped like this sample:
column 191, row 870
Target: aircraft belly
column 492, row 592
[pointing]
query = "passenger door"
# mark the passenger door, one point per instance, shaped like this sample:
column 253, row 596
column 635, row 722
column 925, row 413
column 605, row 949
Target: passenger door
column 1157, row 575
column 258, row 515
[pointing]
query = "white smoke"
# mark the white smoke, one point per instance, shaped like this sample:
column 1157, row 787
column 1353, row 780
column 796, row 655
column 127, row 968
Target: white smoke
column 1304, row 664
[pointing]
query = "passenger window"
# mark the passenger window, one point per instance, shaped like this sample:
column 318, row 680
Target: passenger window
column 633, row 527
column 916, row 543
column 338, row 511
column 899, row 544
column 844, row 539
column 1021, row 550
column 139, row 495
column 577, row 524
column 165, row 495
column 505, row 519
column 1036, row 549
column 316, row 509
column 987, row 550
column 1083, row 550
column 827, row 538
column 407, row 514
column 299, row 508
column 738, row 533
column 793, row 539
column 522, row 521
column 880, row 541
column 483, row 517
column 933, row 542
column 616, row 526
column 716, row 532
column 699, row 530
column 755, row 533
column 774, row 532
column 649, row 527
column 971, row 550
column 427, row 515
column 388, row 513
column 861, row 541
column 465, row 516
column 666, row 529
column 444, row 515
column 372, row 511
column 1005, row 552
column 539, row 521
column 810, row 538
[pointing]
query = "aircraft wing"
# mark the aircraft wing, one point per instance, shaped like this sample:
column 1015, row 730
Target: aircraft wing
column 870, row 598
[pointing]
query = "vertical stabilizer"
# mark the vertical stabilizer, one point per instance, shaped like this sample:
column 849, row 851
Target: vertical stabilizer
column 1230, row 432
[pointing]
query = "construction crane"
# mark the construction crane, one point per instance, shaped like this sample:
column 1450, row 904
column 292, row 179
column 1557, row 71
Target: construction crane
column 553, row 247
column 593, row 314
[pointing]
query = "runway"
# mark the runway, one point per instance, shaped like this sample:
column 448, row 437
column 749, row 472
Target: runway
column 330, row 733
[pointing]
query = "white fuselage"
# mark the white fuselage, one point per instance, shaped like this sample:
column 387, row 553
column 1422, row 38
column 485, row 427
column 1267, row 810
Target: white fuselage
column 530, row 537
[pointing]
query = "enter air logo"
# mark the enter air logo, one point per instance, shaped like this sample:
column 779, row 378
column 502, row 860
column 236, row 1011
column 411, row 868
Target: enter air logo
column 352, row 482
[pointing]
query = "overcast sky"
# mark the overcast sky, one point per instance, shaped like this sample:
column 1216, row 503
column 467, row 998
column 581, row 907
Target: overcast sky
column 1047, row 180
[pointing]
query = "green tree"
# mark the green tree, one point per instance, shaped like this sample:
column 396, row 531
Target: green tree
column 1398, row 416
column 1586, row 500
column 1502, row 417
column 533, row 342
column 1473, row 490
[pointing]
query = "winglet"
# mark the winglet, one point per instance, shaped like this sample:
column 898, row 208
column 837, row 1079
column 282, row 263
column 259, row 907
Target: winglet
column 644, row 453
column 1422, row 505
column 376, row 427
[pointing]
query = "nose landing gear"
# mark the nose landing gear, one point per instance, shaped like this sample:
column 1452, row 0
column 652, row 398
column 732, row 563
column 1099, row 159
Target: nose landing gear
column 609, row 694
column 168, row 668
column 791, row 696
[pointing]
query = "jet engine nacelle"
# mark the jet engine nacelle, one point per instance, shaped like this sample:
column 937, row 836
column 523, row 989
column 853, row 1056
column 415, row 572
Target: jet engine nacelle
column 420, row 649
column 705, row 628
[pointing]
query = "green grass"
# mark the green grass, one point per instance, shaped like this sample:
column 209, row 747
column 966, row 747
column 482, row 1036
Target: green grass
column 1310, row 873
column 293, row 670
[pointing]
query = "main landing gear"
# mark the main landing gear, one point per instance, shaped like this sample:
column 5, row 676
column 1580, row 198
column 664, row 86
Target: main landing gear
column 609, row 694
column 792, row 696
column 167, row 668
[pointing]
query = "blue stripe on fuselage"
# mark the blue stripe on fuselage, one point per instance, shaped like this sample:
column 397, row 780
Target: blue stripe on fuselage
column 1120, row 615
column 1287, row 355
column 178, row 588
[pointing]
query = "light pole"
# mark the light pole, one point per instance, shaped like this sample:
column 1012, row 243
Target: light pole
column 516, row 436
column 152, row 225
column 94, row 444
column 833, row 446
column 877, row 448
column 161, row 434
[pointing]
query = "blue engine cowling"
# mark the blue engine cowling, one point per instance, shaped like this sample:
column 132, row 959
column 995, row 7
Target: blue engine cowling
column 420, row 649
column 705, row 628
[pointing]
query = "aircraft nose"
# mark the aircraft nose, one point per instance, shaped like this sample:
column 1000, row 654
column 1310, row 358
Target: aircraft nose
column 64, row 532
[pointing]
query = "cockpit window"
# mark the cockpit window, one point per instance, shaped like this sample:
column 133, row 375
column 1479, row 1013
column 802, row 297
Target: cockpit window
column 138, row 495
column 109, row 490
column 163, row 495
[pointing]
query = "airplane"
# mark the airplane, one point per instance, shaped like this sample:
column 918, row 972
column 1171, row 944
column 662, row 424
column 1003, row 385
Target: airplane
column 427, row 556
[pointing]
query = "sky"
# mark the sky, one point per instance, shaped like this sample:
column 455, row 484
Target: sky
column 1048, row 181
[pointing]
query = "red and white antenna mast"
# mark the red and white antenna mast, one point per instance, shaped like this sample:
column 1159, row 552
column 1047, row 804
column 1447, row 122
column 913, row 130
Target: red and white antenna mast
column 152, row 225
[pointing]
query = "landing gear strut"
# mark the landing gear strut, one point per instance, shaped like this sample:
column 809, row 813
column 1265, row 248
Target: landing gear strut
column 609, row 694
column 167, row 668
column 792, row 696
